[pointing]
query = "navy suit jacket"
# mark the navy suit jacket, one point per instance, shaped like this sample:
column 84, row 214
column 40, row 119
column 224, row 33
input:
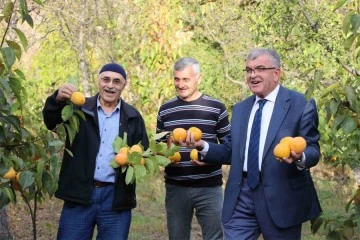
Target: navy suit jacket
column 289, row 192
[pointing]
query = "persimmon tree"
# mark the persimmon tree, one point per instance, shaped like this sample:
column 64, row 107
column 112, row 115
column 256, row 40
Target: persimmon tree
column 32, row 153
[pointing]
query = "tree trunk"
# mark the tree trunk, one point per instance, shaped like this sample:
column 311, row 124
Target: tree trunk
column 82, row 53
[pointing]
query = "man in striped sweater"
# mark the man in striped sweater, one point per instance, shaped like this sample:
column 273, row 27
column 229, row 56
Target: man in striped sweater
column 192, row 185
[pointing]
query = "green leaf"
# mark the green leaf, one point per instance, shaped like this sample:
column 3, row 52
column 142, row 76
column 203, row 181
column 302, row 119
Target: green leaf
column 346, row 22
column 48, row 184
column 10, row 194
column 56, row 143
column 54, row 165
column 22, row 38
column 114, row 164
column 74, row 123
column 147, row 153
column 23, row 6
column 355, row 23
column 8, row 56
column 339, row 4
column 67, row 112
column 330, row 89
column 135, row 158
column 60, row 129
column 39, row 172
column 16, row 47
column 71, row 133
column 149, row 165
column 348, row 125
column 4, row 199
column 348, row 204
column 351, row 96
column 334, row 106
column 159, row 136
column 162, row 161
column 26, row 179
column 129, row 175
column 118, row 143
column 20, row 74
column 8, row 9
column 140, row 172
column 313, row 84
column 69, row 152
column 81, row 114
column 338, row 120
column 349, row 41
column 15, row 85
column 40, row 2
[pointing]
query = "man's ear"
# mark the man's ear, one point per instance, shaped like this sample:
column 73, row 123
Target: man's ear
column 277, row 74
column 199, row 79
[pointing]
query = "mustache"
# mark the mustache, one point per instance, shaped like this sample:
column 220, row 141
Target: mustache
column 110, row 90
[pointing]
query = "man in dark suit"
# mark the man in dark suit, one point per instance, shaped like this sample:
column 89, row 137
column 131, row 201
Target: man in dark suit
column 278, row 196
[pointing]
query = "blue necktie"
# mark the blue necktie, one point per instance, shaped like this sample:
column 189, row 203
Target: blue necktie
column 253, row 150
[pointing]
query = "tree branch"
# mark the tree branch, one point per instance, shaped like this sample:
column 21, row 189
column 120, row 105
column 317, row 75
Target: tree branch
column 315, row 28
column 313, row 25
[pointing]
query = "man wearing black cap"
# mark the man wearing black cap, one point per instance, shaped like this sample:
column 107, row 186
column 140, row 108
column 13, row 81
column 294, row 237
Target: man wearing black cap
column 94, row 193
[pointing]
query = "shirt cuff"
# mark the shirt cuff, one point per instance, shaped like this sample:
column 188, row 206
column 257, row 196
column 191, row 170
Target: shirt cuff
column 205, row 150
column 301, row 163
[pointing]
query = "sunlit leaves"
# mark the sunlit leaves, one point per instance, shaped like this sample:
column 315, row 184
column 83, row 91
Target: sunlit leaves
column 8, row 9
column 339, row 4
column 22, row 38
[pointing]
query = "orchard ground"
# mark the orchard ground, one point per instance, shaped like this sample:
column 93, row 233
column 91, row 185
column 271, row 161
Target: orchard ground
column 335, row 188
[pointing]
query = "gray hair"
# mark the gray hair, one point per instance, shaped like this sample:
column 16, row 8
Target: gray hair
column 182, row 63
column 274, row 56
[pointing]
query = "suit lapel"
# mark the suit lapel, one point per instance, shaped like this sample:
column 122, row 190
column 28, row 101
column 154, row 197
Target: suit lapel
column 282, row 105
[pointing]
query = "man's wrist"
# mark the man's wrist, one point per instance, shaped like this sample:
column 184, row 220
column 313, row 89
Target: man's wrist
column 200, row 147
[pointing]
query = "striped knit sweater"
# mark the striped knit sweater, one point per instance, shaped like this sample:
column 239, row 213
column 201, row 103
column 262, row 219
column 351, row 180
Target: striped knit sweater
column 206, row 113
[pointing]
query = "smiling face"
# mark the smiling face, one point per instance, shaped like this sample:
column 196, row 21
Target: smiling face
column 111, row 85
column 262, row 82
column 186, row 82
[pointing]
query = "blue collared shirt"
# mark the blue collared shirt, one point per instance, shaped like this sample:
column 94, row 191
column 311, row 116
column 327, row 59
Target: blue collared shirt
column 109, row 125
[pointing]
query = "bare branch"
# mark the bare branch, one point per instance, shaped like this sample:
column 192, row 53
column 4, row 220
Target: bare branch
column 348, row 68
column 313, row 25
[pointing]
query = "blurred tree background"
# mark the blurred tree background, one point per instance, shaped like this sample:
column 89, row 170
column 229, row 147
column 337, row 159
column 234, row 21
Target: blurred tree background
column 318, row 41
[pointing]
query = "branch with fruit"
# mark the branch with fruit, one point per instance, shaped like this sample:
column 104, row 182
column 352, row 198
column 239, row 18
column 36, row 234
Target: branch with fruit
column 137, row 162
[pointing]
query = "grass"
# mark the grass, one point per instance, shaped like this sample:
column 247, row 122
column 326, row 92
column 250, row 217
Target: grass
column 149, row 219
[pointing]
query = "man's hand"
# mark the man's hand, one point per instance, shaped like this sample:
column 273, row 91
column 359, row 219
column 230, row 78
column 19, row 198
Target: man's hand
column 199, row 163
column 294, row 157
column 191, row 143
column 65, row 92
